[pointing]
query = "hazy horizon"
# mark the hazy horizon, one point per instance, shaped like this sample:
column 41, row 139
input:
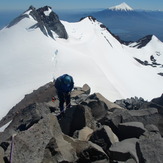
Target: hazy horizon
column 72, row 16
column 73, row 4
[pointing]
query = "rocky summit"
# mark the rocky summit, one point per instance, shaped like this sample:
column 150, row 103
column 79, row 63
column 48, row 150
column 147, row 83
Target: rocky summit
column 92, row 130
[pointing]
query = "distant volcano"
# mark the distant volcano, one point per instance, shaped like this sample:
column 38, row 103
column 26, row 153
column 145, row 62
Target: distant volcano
column 122, row 7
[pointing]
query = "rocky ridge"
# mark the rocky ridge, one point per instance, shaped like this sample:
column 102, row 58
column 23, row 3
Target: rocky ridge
column 92, row 130
column 46, row 20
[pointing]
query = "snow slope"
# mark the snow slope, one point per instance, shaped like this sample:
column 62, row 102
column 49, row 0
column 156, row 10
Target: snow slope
column 29, row 59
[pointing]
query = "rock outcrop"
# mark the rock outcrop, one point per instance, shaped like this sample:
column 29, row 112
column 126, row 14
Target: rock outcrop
column 46, row 20
column 93, row 129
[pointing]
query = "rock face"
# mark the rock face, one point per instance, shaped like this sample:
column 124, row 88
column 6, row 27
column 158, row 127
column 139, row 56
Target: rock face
column 45, row 138
column 158, row 100
column 92, row 130
column 1, row 155
column 144, row 41
column 150, row 150
column 124, row 150
column 46, row 19
column 131, row 104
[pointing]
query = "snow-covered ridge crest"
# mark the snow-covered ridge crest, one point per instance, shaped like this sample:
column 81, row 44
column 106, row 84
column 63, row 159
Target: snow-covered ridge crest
column 122, row 7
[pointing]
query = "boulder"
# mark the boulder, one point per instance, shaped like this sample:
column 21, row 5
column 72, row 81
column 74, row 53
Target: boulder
column 85, row 133
column 104, row 137
column 93, row 154
column 1, row 155
column 157, row 104
column 111, row 106
column 87, row 151
column 150, row 150
column 124, row 150
column 133, row 103
column 158, row 100
column 42, row 94
column 152, row 128
column 41, row 140
column 131, row 130
column 86, row 89
column 152, row 131
column 76, row 118
column 4, row 145
column 25, row 119
column 146, row 116
column 80, row 94
column 98, row 107
column 113, row 119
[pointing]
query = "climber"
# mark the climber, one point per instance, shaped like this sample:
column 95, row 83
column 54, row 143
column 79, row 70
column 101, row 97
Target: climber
column 64, row 85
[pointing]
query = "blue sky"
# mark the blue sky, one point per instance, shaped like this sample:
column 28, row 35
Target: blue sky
column 79, row 4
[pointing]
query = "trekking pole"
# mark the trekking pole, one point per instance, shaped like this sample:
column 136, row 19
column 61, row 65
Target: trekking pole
column 12, row 148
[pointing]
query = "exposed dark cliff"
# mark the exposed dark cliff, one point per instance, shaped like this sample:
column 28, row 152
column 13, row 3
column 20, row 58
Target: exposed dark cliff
column 46, row 20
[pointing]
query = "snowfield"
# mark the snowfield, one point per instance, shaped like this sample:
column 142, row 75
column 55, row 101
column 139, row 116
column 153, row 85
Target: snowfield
column 29, row 59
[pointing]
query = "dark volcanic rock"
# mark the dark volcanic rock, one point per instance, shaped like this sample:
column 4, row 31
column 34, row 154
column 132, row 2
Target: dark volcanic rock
column 87, row 151
column 124, row 150
column 131, row 130
column 104, row 137
column 46, row 135
column 1, row 155
column 131, row 103
column 80, row 94
column 43, row 94
column 98, row 106
column 93, row 154
column 25, row 119
column 145, row 116
column 93, row 129
column 158, row 100
column 47, row 21
column 150, row 150
column 143, row 41
column 113, row 119
column 76, row 118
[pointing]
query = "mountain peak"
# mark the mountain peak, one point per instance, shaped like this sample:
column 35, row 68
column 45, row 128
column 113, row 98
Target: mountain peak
column 46, row 19
column 122, row 7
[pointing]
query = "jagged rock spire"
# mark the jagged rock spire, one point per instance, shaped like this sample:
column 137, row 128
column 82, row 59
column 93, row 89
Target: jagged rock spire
column 46, row 19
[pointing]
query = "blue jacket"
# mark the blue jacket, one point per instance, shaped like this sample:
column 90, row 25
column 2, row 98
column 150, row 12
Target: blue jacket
column 61, row 86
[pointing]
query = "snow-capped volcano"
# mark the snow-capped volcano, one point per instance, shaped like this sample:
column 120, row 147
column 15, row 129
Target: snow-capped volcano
column 32, row 53
column 122, row 7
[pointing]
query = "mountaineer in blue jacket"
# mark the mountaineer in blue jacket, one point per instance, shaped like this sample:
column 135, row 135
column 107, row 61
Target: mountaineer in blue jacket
column 64, row 85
